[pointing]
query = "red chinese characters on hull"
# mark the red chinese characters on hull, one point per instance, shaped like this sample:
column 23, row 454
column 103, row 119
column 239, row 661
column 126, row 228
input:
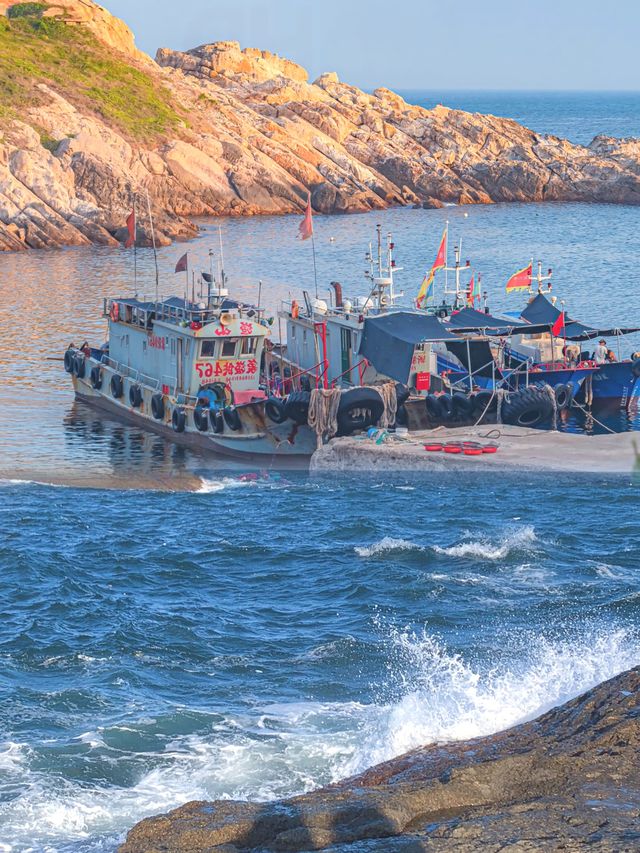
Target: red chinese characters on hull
column 157, row 342
column 231, row 370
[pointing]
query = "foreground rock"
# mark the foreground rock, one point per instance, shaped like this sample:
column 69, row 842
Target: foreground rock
column 236, row 132
column 566, row 781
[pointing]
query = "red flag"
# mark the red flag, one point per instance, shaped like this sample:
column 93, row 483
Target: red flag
column 183, row 263
column 558, row 327
column 306, row 226
column 439, row 263
column 521, row 280
column 471, row 292
column 131, row 228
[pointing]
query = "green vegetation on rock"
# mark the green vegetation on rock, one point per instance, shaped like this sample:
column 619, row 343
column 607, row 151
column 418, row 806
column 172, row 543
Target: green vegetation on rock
column 37, row 50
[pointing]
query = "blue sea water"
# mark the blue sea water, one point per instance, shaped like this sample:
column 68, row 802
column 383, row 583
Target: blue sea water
column 254, row 639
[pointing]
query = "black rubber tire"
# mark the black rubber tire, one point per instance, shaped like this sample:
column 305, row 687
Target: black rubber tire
column 275, row 410
column 79, row 366
column 217, row 421
column 117, row 386
column 529, row 407
column 157, row 406
column 359, row 409
column 135, row 396
column 296, row 406
column 635, row 368
column 445, row 404
column 201, row 418
column 178, row 419
column 480, row 401
column 96, row 378
column 564, row 395
column 402, row 417
column 305, row 383
column 461, row 405
column 442, row 313
column 69, row 358
column 232, row 418
column 432, row 405
column 402, row 393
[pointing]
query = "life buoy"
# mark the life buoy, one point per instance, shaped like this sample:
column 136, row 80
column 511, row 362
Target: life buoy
column 79, row 366
column 69, row 358
column 232, row 418
column 359, row 408
column 178, row 419
column 296, row 406
column 157, row 406
column 117, row 386
column 274, row 409
column 217, row 421
column 201, row 418
column 135, row 396
column 528, row 407
column 96, row 378
column 115, row 311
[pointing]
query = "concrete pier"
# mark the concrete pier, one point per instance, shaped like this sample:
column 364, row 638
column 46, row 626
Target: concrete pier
column 518, row 448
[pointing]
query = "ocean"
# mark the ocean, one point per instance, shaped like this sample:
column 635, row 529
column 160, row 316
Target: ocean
column 172, row 631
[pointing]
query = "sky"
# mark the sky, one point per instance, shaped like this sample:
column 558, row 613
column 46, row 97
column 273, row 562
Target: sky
column 415, row 44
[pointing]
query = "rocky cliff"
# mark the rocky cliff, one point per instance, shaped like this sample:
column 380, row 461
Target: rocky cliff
column 569, row 780
column 87, row 121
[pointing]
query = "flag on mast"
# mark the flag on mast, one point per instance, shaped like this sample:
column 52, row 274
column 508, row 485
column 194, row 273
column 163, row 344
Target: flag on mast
column 439, row 263
column 306, row 226
column 131, row 228
column 183, row 263
column 558, row 327
column 471, row 292
column 521, row 280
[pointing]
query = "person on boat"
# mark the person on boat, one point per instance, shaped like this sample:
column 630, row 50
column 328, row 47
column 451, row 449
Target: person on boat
column 611, row 356
column 600, row 355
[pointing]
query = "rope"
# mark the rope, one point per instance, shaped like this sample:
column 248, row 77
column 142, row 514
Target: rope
column 502, row 395
column 486, row 409
column 323, row 412
column 390, row 400
column 595, row 420
column 554, row 403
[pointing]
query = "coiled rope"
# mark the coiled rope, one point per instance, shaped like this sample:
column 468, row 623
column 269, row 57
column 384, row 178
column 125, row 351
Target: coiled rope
column 390, row 400
column 323, row 412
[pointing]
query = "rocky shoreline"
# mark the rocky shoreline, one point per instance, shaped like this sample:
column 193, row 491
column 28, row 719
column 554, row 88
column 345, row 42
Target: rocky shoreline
column 225, row 131
column 568, row 780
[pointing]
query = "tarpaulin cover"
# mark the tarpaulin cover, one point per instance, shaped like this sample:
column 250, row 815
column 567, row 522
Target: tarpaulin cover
column 475, row 356
column 388, row 341
column 540, row 310
column 472, row 320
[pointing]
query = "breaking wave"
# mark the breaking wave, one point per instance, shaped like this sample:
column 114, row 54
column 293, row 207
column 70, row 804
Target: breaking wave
column 431, row 694
column 388, row 545
column 516, row 541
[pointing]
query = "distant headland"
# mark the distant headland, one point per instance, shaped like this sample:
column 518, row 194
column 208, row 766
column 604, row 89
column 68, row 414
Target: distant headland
column 87, row 122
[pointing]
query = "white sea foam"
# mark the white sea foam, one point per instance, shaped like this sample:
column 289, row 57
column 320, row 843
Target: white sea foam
column 388, row 545
column 288, row 748
column 515, row 541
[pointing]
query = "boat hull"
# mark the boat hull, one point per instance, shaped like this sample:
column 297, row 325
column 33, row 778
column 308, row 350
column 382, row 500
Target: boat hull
column 286, row 445
column 615, row 383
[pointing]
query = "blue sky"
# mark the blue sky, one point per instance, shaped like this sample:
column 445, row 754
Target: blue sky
column 422, row 44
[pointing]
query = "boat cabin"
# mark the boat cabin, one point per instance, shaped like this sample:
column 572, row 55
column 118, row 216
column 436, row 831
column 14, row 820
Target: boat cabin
column 184, row 348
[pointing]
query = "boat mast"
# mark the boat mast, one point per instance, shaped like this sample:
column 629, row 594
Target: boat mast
column 540, row 278
column 456, row 269
column 381, row 274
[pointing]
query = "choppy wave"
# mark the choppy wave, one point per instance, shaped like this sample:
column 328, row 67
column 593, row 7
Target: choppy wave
column 388, row 545
column 287, row 748
column 515, row 541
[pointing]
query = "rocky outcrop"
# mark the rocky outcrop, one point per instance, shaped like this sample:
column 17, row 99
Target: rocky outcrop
column 569, row 780
column 250, row 134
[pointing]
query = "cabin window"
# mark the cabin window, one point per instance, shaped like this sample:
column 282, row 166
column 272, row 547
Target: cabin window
column 188, row 347
column 207, row 349
column 248, row 346
column 304, row 336
column 228, row 349
column 293, row 331
column 173, row 346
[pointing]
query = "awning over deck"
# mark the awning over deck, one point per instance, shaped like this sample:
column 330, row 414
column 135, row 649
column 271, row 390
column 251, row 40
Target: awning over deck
column 541, row 311
column 469, row 320
column 388, row 341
